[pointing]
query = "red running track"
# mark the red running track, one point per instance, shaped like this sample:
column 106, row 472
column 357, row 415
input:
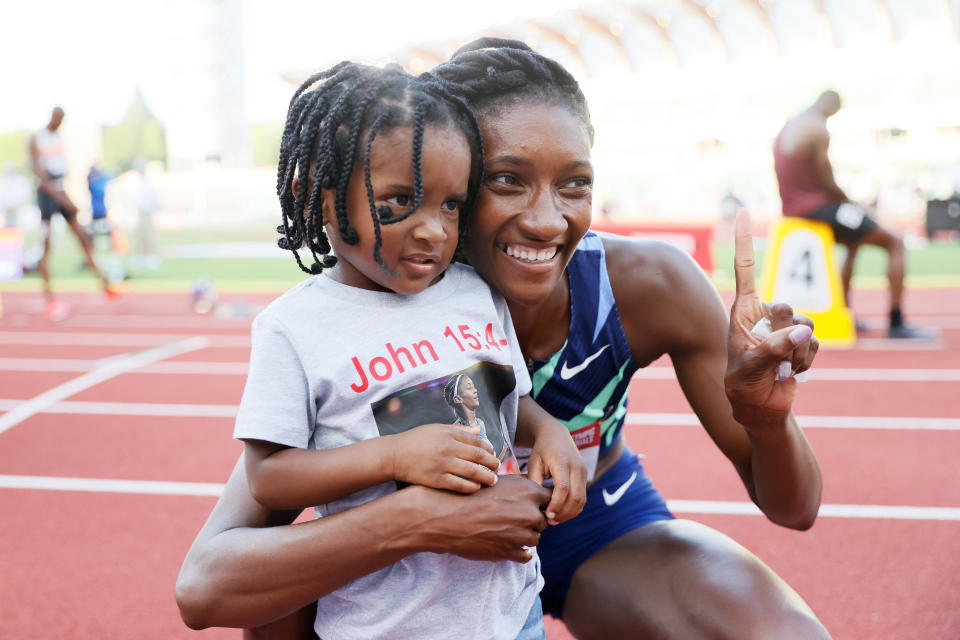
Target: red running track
column 94, row 564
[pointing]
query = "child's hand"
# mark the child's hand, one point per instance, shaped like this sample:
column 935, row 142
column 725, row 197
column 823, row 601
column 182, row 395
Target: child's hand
column 555, row 455
column 444, row 456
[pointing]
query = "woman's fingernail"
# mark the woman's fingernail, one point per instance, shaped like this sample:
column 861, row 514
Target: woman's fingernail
column 800, row 334
column 784, row 370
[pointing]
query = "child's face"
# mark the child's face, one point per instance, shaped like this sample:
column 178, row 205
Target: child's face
column 417, row 249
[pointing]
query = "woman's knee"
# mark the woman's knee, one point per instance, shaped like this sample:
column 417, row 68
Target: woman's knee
column 681, row 579
column 731, row 593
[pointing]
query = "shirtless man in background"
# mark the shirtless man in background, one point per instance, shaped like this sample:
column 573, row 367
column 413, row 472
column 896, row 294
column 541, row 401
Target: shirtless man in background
column 809, row 190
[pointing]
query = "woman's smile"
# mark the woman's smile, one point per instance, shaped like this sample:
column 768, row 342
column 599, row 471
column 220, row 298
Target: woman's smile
column 530, row 254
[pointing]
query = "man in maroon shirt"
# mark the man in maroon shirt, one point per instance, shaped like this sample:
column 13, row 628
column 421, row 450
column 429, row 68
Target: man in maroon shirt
column 808, row 189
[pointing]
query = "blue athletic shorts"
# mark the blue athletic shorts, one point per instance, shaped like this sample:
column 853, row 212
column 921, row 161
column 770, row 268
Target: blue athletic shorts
column 621, row 500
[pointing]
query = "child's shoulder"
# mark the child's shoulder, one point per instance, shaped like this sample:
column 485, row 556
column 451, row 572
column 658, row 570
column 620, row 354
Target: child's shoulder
column 290, row 302
column 465, row 275
column 470, row 281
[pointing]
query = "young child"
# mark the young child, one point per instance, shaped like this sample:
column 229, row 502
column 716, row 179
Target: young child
column 345, row 393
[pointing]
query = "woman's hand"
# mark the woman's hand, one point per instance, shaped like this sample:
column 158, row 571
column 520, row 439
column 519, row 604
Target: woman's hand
column 762, row 361
column 555, row 455
column 497, row 523
column 443, row 456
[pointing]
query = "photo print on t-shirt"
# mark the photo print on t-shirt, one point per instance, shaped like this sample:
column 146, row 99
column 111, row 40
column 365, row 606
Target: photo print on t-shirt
column 471, row 397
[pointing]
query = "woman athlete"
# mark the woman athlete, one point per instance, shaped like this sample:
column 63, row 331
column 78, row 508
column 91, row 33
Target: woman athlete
column 588, row 311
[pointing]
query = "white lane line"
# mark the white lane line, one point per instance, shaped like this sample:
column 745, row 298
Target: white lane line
column 130, row 321
column 892, row 375
column 634, row 419
column 114, row 339
column 111, row 367
column 176, row 367
column 941, row 321
column 886, row 344
column 882, row 512
column 807, row 422
column 839, row 374
column 133, row 409
column 111, row 486
column 103, row 485
column 651, row 373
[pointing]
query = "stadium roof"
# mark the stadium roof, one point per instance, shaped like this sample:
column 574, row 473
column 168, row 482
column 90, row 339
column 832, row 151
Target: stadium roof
column 615, row 37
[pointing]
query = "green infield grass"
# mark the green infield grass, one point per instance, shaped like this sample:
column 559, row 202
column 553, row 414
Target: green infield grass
column 246, row 259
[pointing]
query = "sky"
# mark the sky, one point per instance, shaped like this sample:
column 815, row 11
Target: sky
column 90, row 56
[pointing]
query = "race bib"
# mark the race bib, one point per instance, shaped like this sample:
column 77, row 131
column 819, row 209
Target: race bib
column 850, row 215
column 587, row 440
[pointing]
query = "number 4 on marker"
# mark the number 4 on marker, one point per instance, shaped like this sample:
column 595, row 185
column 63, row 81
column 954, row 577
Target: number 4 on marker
column 803, row 268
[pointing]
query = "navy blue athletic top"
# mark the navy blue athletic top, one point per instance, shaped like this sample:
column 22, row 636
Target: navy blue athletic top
column 585, row 383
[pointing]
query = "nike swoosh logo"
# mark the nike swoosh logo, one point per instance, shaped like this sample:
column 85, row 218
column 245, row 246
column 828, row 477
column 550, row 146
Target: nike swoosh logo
column 568, row 372
column 611, row 499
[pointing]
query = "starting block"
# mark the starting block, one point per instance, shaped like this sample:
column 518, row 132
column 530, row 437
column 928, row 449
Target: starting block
column 799, row 269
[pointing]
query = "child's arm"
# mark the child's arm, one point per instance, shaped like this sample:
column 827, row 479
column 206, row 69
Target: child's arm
column 433, row 455
column 555, row 455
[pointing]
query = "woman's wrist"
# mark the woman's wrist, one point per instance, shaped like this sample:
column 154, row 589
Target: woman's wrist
column 404, row 534
column 764, row 425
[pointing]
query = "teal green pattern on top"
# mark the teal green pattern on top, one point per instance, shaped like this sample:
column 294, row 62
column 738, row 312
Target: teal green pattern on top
column 588, row 379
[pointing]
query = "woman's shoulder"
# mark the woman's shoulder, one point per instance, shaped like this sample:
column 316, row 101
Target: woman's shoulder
column 649, row 267
column 663, row 296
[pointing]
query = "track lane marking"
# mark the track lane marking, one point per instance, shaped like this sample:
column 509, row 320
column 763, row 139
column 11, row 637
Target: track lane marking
column 105, row 485
column 633, row 419
column 86, row 407
column 114, row 339
column 131, row 321
column 838, row 374
column 883, row 512
column 175, row 367
column 808, row 422
column 652, row 373
column 110, row 368
column 723, row 507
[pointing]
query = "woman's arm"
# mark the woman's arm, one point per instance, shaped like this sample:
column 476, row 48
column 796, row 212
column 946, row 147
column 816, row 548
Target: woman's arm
column 242, row 571
column 669, row 306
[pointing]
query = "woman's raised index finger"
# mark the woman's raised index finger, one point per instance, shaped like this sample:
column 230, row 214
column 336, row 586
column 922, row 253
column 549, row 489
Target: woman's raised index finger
column 743, row 255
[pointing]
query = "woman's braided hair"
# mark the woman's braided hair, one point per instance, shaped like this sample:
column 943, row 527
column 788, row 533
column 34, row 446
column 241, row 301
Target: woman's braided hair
column 328, row 117
column 492, row 73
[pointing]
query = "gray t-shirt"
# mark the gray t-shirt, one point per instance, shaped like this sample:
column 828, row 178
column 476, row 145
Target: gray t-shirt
column 332, row 365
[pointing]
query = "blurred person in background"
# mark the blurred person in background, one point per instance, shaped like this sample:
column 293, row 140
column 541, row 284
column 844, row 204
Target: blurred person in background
column 808, row 189
column 50, row 166
column 730, row 206
column 100, row 231
column 146, row 201
column 97, row 185
column 14, row 194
